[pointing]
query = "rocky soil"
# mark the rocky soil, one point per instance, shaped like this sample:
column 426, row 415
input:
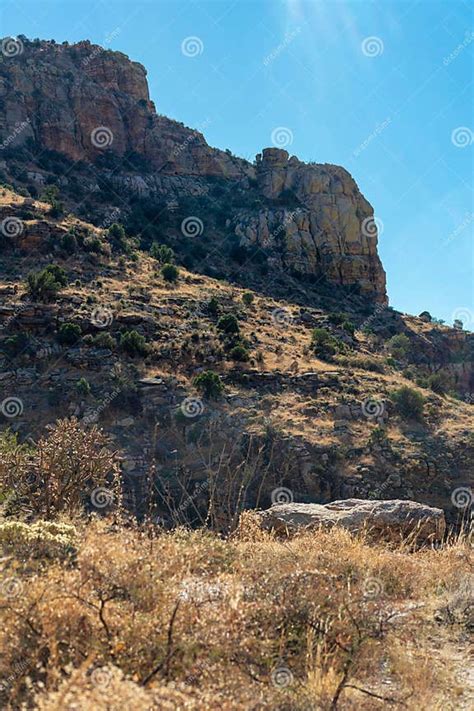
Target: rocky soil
column 281, row 245
column 294, row 421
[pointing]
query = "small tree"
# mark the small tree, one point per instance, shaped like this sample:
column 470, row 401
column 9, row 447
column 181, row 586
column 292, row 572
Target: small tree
column 213, row 306
column 133, row 343
column 399, row 346
column 117, row 236
column 69, row 242
column 69, row 334
column 46, row 284
column 247, row 298
column 337, row 318
column 209, row 384
column 324, row 344
column 162, row 253
column 50, row 196
column 349, row 327
column 83, row 387
column 170, row 273
column 228, row 324
column 104, row 340
column 409, row 403
column 239, row 353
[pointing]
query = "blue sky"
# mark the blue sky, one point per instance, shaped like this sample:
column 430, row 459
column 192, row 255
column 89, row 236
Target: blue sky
column 382, row 87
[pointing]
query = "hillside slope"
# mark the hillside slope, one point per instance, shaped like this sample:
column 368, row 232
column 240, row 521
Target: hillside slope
column 316, row 419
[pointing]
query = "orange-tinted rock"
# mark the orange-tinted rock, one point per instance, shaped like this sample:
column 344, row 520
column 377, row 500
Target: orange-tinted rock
column 82, row 100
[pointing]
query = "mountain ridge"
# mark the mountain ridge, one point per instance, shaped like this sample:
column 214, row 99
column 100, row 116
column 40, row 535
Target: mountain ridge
column 92, row 106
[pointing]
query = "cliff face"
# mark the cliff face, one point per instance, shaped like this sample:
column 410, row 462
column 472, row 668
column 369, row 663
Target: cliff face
column 330, row 232
column 82, row 101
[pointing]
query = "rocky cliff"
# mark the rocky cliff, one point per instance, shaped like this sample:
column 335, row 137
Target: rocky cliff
column 331, row 230
column 85, row 102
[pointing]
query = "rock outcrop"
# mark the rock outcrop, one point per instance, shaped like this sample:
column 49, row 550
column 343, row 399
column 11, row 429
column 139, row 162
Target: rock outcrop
column 88, row 103
column 329, row 232
column 393, row 519
column 80, row 100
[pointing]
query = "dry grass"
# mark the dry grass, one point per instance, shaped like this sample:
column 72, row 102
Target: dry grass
column 186, row 620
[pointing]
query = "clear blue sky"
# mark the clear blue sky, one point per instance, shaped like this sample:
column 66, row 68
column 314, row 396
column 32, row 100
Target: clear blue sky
column 384, row 108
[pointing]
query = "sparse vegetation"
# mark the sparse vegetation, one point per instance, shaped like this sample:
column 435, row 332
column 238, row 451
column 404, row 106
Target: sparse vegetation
column 228, row 324
column 309, row 619
column 209, row 384
column 69, row 334
column 133, row 343
column 170, row 273
column 324, row 344
column 399, row 346
column 47, row 283
column 408, row 402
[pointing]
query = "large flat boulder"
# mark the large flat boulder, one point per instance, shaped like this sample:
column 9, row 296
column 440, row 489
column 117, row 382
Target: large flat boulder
column 393, row 519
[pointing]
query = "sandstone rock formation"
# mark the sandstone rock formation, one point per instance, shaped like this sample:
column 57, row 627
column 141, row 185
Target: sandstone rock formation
column 86, row 102
column 331, row 231
column 393, row 519
column 81, row 99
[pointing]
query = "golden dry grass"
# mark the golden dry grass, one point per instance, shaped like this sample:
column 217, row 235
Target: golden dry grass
column 186, row 620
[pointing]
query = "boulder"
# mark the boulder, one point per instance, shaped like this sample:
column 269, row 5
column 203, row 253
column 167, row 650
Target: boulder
column 393, row 519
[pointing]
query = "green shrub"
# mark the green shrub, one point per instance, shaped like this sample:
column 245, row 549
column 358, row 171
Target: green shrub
column 104, row 340
column 378, row 437
column 239, row 353
column 169, row 272
column 247, row 298
column 117, row 237
column 133, row 343
column 83, row 387
column 162, row 253
column 213, row 306
column 228, row 324
column 440, row 383
column 324, row 344
column 50, row 196
column 69, row 334
column 209, row 384
column 399, row 346
column 14, row 345
column 68, row 242
column 337, row 318
column 46, row 284
column 408, row 402
column 349, row 327
column 93, row 244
